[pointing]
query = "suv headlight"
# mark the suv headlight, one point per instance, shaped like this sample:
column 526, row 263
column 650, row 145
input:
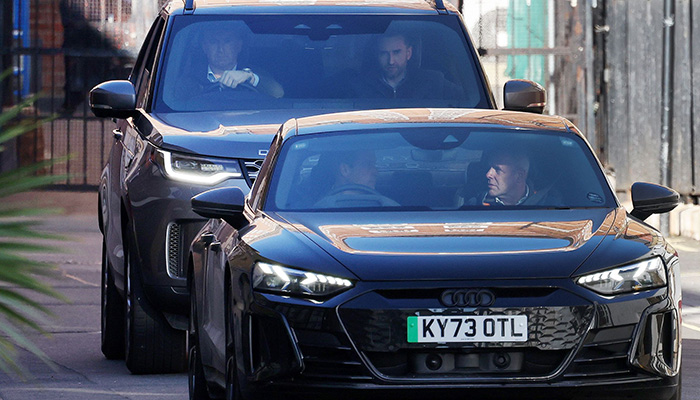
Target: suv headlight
column 276, row 278
column 643, row 275
column 196, row 169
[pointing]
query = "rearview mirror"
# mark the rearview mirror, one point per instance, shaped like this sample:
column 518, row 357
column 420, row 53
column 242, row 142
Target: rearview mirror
column 648, row 198
column 113, row 99
column 524, row 95
column 226, row 203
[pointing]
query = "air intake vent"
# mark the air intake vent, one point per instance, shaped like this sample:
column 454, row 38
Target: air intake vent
column 252, row 168
column 172, row 250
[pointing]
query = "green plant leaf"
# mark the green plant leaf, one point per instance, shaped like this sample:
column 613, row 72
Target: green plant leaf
column 19, row 275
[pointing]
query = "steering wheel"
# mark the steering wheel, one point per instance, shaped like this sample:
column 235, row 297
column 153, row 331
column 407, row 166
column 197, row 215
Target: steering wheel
column 216, row 86
column 353, row 187
column 360, row 196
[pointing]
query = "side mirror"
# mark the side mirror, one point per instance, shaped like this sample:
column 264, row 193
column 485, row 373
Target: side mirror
column 226, row 203
column 524, row 95
column 113, row 99
column 648, row 198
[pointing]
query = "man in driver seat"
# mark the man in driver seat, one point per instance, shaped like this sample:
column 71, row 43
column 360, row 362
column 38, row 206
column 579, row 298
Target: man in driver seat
column 222, row 48
column 508, row 182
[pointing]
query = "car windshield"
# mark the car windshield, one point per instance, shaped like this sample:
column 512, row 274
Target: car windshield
column 436, row 169
column 336, row 62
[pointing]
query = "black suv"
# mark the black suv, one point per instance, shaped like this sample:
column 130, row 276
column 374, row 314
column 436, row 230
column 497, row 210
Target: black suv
column 182, row 127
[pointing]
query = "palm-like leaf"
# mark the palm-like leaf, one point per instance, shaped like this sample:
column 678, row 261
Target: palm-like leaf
column 19, row 276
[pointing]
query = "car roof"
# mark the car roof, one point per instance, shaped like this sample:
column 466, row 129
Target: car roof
column 377, row 119
column 310, row 6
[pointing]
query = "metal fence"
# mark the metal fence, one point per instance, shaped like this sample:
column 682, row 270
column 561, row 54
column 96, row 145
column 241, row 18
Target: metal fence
column 540, row 40
column 58, row 50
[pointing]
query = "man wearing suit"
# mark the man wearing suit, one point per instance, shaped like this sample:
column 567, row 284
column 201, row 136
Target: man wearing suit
column 222, row 48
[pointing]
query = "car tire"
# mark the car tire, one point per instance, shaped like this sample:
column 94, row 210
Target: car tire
column 152, row 346
column 112, row 313
column 195, row 371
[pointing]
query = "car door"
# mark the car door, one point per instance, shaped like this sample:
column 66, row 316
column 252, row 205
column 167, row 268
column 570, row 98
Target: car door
column 212, row 313
column 122, row 154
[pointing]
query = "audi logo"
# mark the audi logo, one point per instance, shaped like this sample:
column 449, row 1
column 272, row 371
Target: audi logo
column 467, row 298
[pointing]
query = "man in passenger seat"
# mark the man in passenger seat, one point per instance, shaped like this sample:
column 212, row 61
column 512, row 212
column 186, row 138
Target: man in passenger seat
column 355, row 175
column 394, row 79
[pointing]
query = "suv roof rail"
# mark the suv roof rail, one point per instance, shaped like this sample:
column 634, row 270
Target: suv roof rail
column 189, row 5
column 440, row 5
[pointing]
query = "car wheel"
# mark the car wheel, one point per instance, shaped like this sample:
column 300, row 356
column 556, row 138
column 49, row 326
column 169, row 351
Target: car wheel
column 195, row 371
column 112, row 313
column 152, row 346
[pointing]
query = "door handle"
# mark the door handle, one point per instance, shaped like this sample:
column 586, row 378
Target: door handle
column 117, row 134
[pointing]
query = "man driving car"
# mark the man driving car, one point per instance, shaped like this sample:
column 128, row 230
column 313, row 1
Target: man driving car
column 222, row 47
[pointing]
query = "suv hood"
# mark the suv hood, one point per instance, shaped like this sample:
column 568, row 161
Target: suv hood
column 234, row 134
column 458, row 245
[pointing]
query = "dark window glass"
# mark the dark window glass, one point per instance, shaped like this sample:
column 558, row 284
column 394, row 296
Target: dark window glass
column 144, row 81
column 436, row 169
column 318, row 62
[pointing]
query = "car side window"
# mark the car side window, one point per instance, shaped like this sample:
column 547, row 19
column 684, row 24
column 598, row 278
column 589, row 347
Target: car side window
column 136, row 71
column 147, row 57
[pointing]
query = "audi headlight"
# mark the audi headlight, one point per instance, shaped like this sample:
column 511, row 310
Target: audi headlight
column 199, row 170
column 276, row 278
column 644, row 275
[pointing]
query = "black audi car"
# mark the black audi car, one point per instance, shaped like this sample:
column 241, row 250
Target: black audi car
column 428, row 249
column 180, row 130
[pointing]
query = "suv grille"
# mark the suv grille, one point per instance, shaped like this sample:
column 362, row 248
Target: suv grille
column 252, row 168
column 172, row 250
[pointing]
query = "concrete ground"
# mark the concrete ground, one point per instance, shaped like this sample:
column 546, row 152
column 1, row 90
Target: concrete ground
column 69, row 202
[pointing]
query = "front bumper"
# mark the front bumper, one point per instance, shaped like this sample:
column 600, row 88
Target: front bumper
column 577, row 345
column 164, row 225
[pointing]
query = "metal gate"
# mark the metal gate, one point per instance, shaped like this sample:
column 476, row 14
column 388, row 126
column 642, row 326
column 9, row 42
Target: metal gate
column 58, row 50
column 541, row 40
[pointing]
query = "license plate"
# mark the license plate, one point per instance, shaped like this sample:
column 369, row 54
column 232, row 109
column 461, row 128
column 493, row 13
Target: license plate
column 467, row 328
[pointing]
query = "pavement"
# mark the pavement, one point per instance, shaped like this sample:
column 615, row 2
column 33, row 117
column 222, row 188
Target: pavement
column 64, row 202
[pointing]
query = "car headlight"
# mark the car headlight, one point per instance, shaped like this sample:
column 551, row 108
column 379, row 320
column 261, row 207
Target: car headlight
column 276, row 278
column 199, row 170
column 644, row 275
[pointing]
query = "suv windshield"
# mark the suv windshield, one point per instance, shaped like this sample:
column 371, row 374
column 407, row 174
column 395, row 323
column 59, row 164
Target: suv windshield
column 318, row 62
column 436, row 169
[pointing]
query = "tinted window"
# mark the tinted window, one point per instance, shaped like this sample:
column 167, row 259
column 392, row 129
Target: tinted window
column 146, row 62
column 320, row 62
column 434, row 169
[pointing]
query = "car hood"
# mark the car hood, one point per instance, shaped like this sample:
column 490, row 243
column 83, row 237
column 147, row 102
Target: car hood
column 457, row 245
column 239, row 134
